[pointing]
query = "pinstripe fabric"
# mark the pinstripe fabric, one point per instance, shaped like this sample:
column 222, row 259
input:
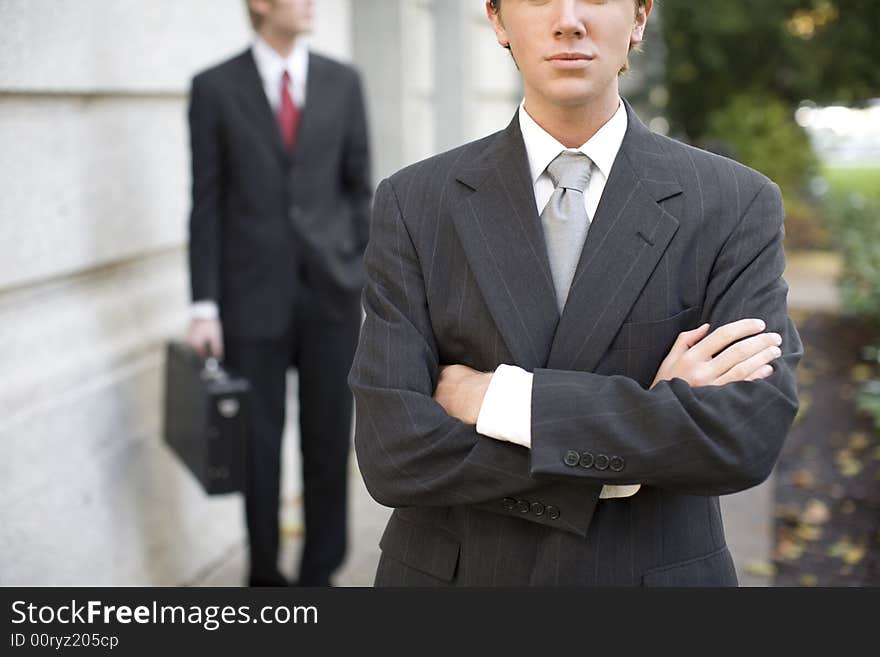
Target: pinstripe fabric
column 458, row 273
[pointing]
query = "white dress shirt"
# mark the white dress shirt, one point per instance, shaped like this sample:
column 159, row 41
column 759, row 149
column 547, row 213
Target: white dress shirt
column 271, row 67
column 506, row 413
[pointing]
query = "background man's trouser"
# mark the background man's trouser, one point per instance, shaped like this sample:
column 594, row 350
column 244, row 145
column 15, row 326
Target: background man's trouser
column 321, row 346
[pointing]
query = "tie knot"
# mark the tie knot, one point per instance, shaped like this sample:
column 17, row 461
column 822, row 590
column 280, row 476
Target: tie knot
column 570, row 170
column 285, row 78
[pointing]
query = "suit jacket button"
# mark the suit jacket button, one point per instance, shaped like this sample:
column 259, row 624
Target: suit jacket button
column 509, row 503
column 617, row 463
column 553, row 512
column 538, row 508
column 572, row 458
column 587, row 460
column 601, row 462
column 522, row 506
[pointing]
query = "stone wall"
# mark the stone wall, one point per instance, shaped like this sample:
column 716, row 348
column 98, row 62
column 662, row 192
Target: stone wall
column 93, row 206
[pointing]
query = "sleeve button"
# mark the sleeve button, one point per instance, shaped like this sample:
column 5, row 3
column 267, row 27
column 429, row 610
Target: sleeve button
column 553, row 513
column 601, row 462
column 572, row 458
column 538, row 508
column 617, row 463
column 587, row 460
column 522, row 506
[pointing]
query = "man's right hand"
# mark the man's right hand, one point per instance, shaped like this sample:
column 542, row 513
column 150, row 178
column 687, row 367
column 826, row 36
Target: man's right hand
column 205, row 335
column 693, row 356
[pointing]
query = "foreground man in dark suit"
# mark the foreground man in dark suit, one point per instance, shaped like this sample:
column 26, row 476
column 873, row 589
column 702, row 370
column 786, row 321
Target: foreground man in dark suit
column 527, row 445
column 281, row 196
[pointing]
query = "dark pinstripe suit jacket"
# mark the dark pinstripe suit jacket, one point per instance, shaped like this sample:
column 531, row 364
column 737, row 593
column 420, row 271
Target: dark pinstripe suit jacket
column 458, row 273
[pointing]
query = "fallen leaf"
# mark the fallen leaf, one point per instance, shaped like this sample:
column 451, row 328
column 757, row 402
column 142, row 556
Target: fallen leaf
column 847, row 551
column 804, row 479
column 292, row 530
column 816, row 513
column 854, row 555
column 788, row 513
column 847, row 463
column 760, row 568
column 788, row 550
column 805, row 377
column 858, row 441
column 861, row 373
column 808, row 533
column 808, row 580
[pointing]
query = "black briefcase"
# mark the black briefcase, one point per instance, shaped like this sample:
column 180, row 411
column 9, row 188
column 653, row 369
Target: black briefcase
column 206, row 418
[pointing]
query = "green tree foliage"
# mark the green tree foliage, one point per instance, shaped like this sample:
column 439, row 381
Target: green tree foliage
column 757, row 128
column 823, row 50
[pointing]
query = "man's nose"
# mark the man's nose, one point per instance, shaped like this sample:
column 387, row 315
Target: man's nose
column 569, row 21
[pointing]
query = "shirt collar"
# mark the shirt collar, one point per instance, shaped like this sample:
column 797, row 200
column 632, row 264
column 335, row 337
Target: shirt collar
column 602, row 148
column 271, row 65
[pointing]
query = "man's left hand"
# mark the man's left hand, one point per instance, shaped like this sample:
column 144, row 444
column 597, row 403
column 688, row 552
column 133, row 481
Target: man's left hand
column 460, row 391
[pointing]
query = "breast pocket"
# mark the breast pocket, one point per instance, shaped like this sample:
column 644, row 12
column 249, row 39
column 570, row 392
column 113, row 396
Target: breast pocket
column 640, row 347
column 660, row 333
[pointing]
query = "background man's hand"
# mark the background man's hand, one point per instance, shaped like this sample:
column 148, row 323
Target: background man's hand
column 204, row 334
column 693, row 358
column 460, row 391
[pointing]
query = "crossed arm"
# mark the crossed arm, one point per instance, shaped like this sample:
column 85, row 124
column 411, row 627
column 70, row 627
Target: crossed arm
column 461, row 389
column 715, row 438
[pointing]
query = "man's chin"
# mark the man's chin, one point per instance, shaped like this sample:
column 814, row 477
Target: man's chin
column 577, row 93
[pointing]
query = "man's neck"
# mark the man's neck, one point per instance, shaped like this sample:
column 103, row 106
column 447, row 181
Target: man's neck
column 574, row 125
column 283, row 44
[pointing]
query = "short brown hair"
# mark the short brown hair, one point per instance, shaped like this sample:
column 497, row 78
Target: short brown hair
column 496, row 4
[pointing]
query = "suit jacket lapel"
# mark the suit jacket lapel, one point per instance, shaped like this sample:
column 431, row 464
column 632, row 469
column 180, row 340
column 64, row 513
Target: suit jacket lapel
column 310, row 112
column 256, row 106
column 501, row 234
column 627, row 238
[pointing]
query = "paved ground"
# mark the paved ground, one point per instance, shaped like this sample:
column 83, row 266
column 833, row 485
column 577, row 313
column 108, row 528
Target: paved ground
column 748, row 515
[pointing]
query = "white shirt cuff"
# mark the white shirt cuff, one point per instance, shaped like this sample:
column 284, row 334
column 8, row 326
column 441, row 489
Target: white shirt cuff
column 204, row 310
column 506, row 413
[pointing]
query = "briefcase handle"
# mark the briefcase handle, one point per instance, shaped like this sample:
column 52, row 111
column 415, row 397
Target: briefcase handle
column 211, row 369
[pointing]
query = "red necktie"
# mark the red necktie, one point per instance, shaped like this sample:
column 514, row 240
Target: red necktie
column 288, row 114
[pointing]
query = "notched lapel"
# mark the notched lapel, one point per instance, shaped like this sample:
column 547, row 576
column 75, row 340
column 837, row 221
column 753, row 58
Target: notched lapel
column 315, row 100
column 628, row 235
column 501, row 234
column 256, row 106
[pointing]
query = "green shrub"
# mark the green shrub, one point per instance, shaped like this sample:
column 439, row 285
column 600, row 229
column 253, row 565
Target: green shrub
column 760, row 131
column 855, row 226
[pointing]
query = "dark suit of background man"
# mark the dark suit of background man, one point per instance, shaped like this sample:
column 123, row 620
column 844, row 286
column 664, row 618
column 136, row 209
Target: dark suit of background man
column 281, row 195
column 545, row 408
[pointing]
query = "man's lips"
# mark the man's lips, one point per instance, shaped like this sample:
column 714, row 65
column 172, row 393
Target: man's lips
column 569, row 60
column 569, row 56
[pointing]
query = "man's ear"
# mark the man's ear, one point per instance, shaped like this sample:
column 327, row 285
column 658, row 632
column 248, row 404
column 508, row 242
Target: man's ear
column 260, row 7
column 638, row 31
column 498, row 26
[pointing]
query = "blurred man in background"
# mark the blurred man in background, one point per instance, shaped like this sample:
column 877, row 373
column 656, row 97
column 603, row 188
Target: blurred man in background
column 280, row 202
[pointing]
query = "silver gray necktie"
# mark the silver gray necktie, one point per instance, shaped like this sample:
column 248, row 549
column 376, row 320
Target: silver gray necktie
column 565, row 218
